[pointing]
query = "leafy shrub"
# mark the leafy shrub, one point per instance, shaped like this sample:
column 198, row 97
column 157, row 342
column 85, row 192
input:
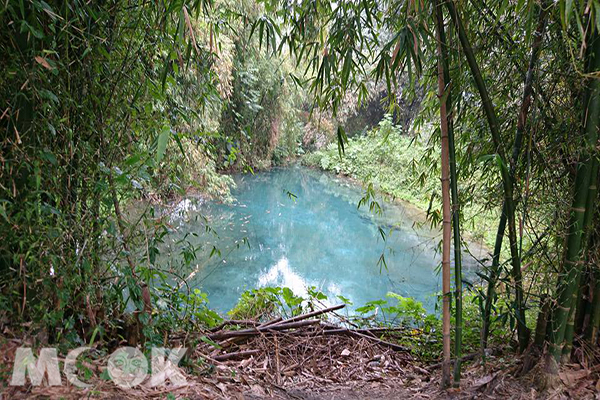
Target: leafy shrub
column 269, row 302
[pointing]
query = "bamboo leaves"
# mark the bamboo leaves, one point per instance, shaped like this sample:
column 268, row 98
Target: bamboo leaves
column 341, row 140
column 161, row 143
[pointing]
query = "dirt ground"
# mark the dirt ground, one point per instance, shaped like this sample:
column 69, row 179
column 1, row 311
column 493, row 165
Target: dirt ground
column 309, row 364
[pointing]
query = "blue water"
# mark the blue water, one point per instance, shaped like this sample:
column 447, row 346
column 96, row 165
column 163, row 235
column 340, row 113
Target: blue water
column 315, row 237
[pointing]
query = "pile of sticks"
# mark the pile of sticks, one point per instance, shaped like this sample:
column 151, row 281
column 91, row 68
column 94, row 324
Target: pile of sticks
column 304, row 351
column 290, row 325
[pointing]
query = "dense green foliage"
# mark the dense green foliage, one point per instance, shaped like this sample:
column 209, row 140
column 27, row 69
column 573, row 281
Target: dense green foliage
column 104, row 104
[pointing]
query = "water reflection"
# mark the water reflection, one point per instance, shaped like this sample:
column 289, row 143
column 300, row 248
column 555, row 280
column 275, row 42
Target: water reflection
column 280, row 274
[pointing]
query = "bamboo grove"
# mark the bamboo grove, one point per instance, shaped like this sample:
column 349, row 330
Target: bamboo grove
column 92, row 105
column 105, row 103
column 516, row 97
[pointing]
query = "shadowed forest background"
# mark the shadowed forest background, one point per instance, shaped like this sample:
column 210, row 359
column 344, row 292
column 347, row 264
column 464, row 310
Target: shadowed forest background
column 480, row 116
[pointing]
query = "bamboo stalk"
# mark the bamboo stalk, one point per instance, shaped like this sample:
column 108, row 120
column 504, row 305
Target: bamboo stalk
column 271, row 322
column 236, row 355
column 516, row 151
column 458, row 329
column 446, row 212
column 258, row 330
column 346, row 331
column 507, row 182
column 593, row 309
column 233, row 322
column 591, row 332
column 307, row 315
column 445, row 61
column 567, row 285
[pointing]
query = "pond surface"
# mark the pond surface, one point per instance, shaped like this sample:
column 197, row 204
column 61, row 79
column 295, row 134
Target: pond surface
column 297, row 227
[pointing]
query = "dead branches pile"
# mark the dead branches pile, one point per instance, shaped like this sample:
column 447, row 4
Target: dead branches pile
column 306, row 353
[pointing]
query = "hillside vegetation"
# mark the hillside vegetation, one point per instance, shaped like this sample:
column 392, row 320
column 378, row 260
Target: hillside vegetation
column 400, row 165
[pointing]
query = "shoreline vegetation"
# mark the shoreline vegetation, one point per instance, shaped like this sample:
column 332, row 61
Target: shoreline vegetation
column 395, row 165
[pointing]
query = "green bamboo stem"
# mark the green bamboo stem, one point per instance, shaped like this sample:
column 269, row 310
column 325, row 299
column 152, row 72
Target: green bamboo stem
column 567, row 285
column 493, row 278
column 507, row 182
column 569, row 330
column 594, row 308
column 455, row 201
column 591, row 332
column 516, row 151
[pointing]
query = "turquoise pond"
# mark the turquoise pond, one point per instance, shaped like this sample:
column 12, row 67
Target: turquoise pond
column 267, row 237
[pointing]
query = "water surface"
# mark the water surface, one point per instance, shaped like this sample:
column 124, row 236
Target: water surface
column 298, row 228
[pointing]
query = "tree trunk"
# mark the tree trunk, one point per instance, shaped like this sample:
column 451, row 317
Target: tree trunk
column 507, row 183
column 447, row 223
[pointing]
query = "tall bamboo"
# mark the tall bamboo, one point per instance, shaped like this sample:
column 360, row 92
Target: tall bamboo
column 516, row 151
column 591, row 332
column 584, row 307
column 455, row 202
column 507, row 184
column 589, row 240
column 444, row 58
column 447, row 223
column 567, row 283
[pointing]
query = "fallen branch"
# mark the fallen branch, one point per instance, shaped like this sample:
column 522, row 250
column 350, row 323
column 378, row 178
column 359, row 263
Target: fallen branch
column 233, row 322
column 271, row 322
column 342, row 331
column 236, row 355
column 259, row 329
column 310, row 314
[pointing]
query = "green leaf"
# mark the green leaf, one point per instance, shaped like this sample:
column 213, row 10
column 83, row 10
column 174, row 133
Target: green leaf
column 46, row 94
column 346, row 67
column 210, row 342
column 344, row 299
column 342, row 138
column 568, row 10
column 3, row 213
column 48, row 156
column 161, row 146
column 178, row 140
column 134, row 159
